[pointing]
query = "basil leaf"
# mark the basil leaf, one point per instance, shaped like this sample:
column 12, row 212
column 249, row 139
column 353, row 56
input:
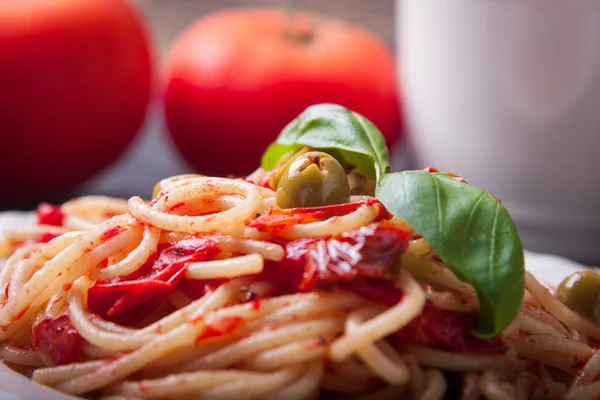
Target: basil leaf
column 472, row 233
column 331, row 126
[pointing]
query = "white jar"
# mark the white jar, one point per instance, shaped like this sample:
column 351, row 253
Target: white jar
column 507, row 94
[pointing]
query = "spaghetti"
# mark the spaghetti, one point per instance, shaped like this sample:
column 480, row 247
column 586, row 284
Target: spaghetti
column 210, row 291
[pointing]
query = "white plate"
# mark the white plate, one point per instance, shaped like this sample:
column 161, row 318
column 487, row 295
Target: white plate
column 549, row 269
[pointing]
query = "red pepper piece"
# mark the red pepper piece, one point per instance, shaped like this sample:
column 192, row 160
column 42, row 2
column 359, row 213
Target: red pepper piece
column 278, row 219
column 288, row 273
column 128, row 300
column 48, row 214
column 197, row 288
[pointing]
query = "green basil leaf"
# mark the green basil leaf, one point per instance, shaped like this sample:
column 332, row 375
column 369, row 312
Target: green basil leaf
column 330, row 126
column 472, row 233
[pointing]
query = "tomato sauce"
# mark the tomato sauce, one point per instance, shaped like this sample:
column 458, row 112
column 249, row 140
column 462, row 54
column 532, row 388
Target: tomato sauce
column 21, row 313
column 110, row 233
column 220, row 327
column 450, row 174
column 255, row 304
column 6, row 290
column 176, row 206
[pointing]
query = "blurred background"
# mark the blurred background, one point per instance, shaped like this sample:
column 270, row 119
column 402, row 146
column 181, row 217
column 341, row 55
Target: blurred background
column 152, row 156
column 108, row 97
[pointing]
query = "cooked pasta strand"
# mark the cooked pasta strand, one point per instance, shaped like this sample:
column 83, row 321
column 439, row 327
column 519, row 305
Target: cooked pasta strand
column 258, row 311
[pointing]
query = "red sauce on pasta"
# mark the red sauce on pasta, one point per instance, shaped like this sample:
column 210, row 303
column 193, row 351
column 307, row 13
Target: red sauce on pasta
column 363, row 261
column 221, row 326
column 110, row 233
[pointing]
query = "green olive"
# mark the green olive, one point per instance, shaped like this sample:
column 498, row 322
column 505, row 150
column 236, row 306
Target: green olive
column 581, row 293
column 313, row 179
column 283, row 163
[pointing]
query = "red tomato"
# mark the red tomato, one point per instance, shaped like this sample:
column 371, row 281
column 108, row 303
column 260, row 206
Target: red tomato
column 75, row 83
column 446, row 330
column 62, row 341
column 234, row 80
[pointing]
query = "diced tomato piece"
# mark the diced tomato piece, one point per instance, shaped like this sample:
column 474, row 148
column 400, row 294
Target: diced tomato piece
column 446, row 330
column 62, row 341
column 197, row 288
column 369, row 252
column 128, row 302
column 288, row 273
column 171, row 257
column 48, row 214
column 382, row 291
column 362, row 261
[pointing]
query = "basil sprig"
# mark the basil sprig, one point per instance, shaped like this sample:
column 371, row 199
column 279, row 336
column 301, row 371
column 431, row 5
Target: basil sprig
column 330, row 126
column 472, row 233
column 468, row 228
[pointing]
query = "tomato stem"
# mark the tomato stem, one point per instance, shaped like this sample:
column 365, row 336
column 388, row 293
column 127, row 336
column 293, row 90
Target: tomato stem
column 296, row 30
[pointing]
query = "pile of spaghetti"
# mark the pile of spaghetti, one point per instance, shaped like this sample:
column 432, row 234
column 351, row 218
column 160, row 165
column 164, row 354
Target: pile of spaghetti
column 212, row 291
